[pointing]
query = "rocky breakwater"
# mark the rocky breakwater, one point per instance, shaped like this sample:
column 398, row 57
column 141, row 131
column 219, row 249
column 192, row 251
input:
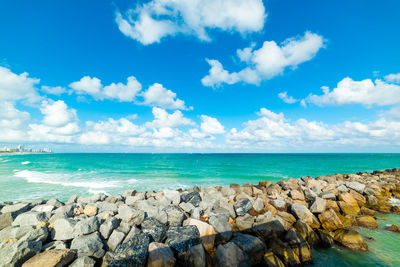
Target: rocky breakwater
column 269, row 224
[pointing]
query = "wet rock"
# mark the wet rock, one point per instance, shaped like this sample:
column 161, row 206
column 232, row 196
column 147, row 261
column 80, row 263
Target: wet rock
column 251, row 245
column 302, row 213
column 132, row 253
column 367, row 211
column 160, row 255
column 231, row 255
column 180, row 239
column 51, row 258
column 284, row 252
column 393, row 228
column 318, row 206
column 298, row 246
column 273, row 228
column 350, row 239
column 196, row 256
column 84, row 261
column 16, row 253
column 88, row 245
column 87, row 226
column 155, row 229
column 175, row 216
column 330, row 221
column 192, row 198
column 348, row 209
column 242, row 206
column 63, row 229
column 307, row 233
column 326, row 240
column 206, row 231
column 108, row 226
column 115, row 239
column 221, row 225
column 367, row 221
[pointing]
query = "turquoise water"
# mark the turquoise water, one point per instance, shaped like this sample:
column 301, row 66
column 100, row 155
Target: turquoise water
column 28, row 177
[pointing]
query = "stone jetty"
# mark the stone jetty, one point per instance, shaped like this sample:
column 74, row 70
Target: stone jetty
column 268, row 224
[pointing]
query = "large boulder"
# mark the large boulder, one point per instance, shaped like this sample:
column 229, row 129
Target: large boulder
column 16, row 253
column 132, row 253
column 253, row 246
column 87, row 226
column 155, row 229
column 84, row 261
column 304, row 214
column 356, row 186
column 350, row 239
column 230, row 254
column 6, row 220
column 318, row 206
column 160, row 255
column 175, row 216
column 367, row 221
column 88, row 245
column 172, row 195
column 115, row 239
column 63, row 229
column 16, row 209
column 180, row 239
column 242, row 206
column 348, row 204
column 329, row 220
column 192, row 198
column 196, row 256
column 206, row 231
column 51, row 258
column 221, row 225
column 271, row 260
column 108, row 226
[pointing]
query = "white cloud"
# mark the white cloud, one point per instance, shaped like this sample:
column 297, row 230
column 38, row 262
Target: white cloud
column 394, row 78
column 159, row 96
column 163, row 119
column 267, row 62
column 287, row 99
column 365, row 92
column 57, row 90
column 150, row 22
column 12, row 123
column 57, row 113
column 211, row 125
column 121, row 92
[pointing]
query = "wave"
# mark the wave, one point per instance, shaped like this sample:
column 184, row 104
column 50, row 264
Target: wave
column 25, row 162
column 62, row 179
column 394, row 201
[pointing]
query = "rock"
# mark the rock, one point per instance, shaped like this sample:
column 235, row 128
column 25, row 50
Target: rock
column 296, row 195
column 284, row 252
column 155, row 229
column 55, row 202
column 298, row 246
column 16, row 209
column 350, row 239
column 367, row 221
column 51, row 258
column 258, row 205
column 106, row 206
column 326, row 240
column 330, row 204
column 180, row 239
column 242, row 206
column 196, row 213
column 196, row 256
column 227, row 192
column 356, row 186
column 302, row 213
column 115, row 239
column 280, row 203
column 367, row 211
column 126, row 212
column 88, row 245
column 16, row 253
column 361, row 200
column 108, row 226
column 342, row 188
column 58, row 245
column 328, row 195
column 132, row 253
column 348, row 209
column 65, row 211
column 90, row 211
column 6, row 220
column 87, row 226
column 192, row 198
column 329, row 220
column 15, row 232
column 206, row 231
column 160, row 255
column 135, row 218
column 63, row 229
column 44, row 208
column 187, row 207
column 393, row 228
column 231, row 255
column 84, row 261
column 38, row 235
column 175, row 216
column 251, row 245
column 221, row 225
column 134, row 231
column 72, row 199
column 272, row 228
column 318, row 206
column 271, row 260
column 307, row 233
column 172, row 195
column 245, row 223
column 309, row 195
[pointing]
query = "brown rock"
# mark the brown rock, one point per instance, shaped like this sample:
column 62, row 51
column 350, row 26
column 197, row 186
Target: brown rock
column 396, row 210
column 393, row 228
column 297, row 195
column 271, row 260
column 207, row 232
column 331, row 204
column 361, row 200
column 367, row 221
column 348, row 209
column 50, row 258
column 350, row 239
column 6, row 220
column 330, row 221
column 346, row 221
column 367, row 211
column 90, row 211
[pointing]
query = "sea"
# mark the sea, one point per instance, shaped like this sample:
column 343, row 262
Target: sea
column 42, row 176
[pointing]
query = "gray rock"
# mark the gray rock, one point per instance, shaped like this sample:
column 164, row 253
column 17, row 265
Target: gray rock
column 134, row 231
column 318, row 206
column 131, row 200
column 342, row 188
column 304, row 214
column 30, row 218
column 90, row 199
column 15, row 232
column 182, row 238
column 135, row 218
column 63, row 229
column 328, row 195
column 55, row 245
column 72, row 199
column 44, row 208
column 245, row 223
column 196, row 213
column 152, row 211
column 6, row 220
column 65, row 211
column 106, row 206
column 16, row 253
column 242, row 206
column 115, row 239
column 128, row 193
column 160, row 255
column 155, row 229
column 84, row 261
column 228, row 192
column 175, row 216
column 309, row 195
column 108, row 226
column 231, row 255
column 192, row 198
column 87, row 226
column 268, row 229
column 258, row 205
column 132, row 253
column 253, row 246
column 187, row 207
column 221, row 225
column 196, row 256
column 124, row 227
column 88, row 245
column 227, row 206
column 356, row 186
column 37, row 235
column 172, row 195
column 16, row 209
column 280, row 203
column 55, row 202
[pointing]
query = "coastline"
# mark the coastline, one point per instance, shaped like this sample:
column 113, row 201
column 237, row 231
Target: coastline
column 269, row 224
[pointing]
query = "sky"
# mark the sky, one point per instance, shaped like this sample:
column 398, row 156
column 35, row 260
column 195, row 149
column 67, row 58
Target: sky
column 200, row 75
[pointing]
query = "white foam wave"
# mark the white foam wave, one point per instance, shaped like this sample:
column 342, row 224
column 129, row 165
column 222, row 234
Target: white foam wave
column 394, row 201
column 63, row 179
column 95, row 192
column 25, row 162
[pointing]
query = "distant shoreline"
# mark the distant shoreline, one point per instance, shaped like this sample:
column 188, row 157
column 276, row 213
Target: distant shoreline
column 23, row 153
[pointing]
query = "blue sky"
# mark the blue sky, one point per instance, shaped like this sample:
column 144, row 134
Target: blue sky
column 64, row 67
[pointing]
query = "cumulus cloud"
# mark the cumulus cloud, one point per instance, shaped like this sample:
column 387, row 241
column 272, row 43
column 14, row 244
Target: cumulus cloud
column 115, row 91
column 13, row 123
column 163, row 119
column 286, row 98
column 150, row 22
column 159, row 96
column 394, row 78
column 365, row 92
column 267, row 62
column 53, row 90
column 210, row 125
